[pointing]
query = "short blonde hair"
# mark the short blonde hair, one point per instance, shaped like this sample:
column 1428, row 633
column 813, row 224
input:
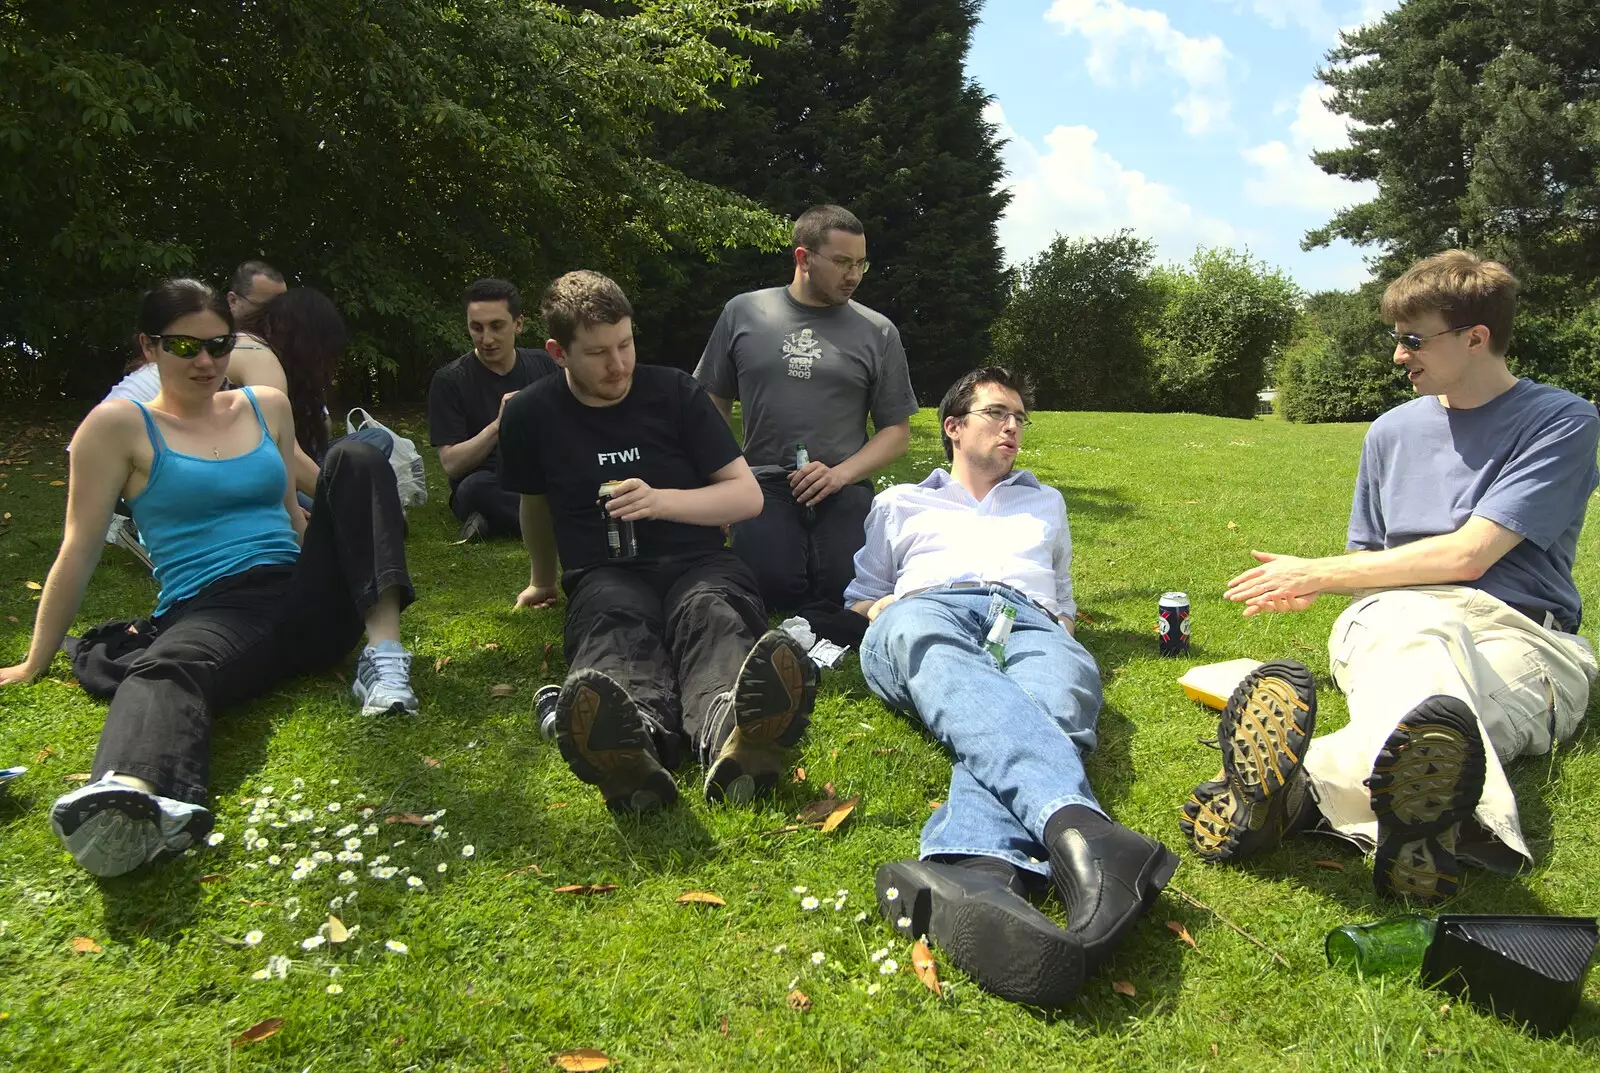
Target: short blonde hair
column 582, row 299
column 1461, row 287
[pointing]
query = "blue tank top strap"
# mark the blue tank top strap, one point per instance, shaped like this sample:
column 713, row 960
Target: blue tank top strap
column 251, row 395
column 156, row 439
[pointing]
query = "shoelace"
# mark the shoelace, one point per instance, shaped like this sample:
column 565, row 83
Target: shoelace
column 392, row 668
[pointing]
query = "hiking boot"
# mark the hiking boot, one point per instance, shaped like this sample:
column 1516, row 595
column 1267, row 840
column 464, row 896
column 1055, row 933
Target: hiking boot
column 770, row 706
column 987, row 930
column 383, row 680
column 475, row 530
column 111, row 828
column 606, row 743
column 1427, row 779
column 1261, row 793
column 125, row 535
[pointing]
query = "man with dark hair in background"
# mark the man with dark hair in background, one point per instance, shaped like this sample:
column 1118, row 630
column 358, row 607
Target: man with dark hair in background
column 254, row 284
column 666, row 640
column 810, row 366
column 465, row 403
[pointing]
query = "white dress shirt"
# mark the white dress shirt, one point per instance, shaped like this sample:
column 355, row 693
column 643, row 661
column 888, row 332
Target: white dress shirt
column 936, row 533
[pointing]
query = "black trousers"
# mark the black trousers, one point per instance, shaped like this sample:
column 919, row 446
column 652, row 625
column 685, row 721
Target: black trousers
column 673, row 633
column 240, row 635
column 797, row 562
column 481, row 491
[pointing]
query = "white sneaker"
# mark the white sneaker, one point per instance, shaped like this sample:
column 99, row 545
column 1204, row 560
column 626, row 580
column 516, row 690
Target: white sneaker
column 383, row 680
column 111, row 828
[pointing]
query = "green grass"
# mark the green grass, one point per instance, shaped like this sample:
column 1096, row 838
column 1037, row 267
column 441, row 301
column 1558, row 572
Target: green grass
column 503, row 972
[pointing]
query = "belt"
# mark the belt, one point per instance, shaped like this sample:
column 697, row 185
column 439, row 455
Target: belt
column 1012, row 590
column 1545, row 618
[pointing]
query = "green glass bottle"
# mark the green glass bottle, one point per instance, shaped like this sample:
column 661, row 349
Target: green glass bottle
column 1000, row 633
column 1391, row 947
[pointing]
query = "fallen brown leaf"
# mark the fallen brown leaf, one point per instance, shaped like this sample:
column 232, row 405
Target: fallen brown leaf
column 337, row 932
column 85, row 945
column 407, row 817
column 34, row 585
column 582, row 1060
column 43, row 755
column 504, row 689
column 441, row 663
column 259, row 1031
column 1233, row 525
column 534, row 868
column 699, row 897
column 257, row 904
column 799, row 774
column 933, row 806
column 799, row 1000
column 586, row 889
column 840, row 813
column 1177, row 928
column 214, row 877
column 1332, row 866
column 1123, row 987
column 1214, row 1052
column 556, row 804
column 492, row 646
column 722, row 1026
column 887, row 750
column 12, row 619
column 430, row 761
column 927, row 971
column 58, row 484
column 818, row 810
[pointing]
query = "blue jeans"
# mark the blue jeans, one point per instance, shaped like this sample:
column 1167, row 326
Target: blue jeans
column 374, row 436
column 1019, row 732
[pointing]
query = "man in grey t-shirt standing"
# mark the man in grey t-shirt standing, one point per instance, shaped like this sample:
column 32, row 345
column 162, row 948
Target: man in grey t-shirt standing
column 1461, row 649
column 810, row 366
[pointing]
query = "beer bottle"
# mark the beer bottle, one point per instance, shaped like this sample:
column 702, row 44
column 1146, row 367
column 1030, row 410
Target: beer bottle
column 1000, row 633
column 1391, row 947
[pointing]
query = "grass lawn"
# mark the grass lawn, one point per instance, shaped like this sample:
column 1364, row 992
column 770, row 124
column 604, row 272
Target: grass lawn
column 503, row 970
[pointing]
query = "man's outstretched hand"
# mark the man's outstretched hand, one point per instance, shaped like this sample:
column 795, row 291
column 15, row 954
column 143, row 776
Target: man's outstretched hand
column 1280, row 583
column 536, row 596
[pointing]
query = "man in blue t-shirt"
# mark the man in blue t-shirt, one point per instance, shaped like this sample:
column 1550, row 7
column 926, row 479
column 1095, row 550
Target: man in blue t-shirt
column 1461, row 649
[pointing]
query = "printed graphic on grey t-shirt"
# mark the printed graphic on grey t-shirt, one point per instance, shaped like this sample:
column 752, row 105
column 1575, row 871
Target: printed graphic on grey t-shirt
column 802, row 348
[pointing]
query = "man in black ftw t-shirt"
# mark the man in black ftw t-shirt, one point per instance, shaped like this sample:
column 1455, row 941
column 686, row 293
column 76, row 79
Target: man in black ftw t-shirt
column 464, row 408
column 670, row 645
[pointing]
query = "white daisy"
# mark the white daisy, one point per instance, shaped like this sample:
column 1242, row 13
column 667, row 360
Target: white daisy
column 267, row 791
column 879, row 955
column 889, row 967
column 274, row 860
column 818, row 958
column 903, row 922
column 253, row 938
column 347, row 829
column 799, row 890
column 259, row 844
column 312, row 943
column 215, row 838
column 861, row 918
column 841, row 894
column 333, row 782
column 261, row 974
column 334, row 806
column 370, row 829
column 443, row 867
column 809, row 902
column 335, row 989
column 891, row 894
column 251, row 834
column 348, row 876
column 413, row 882
column 395, row 946
column 278, row 965
column 872, row 989
column 468, row 850
column 350, row 899
column 781, row 948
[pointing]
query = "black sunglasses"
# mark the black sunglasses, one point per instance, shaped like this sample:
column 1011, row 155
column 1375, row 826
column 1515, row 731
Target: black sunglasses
column 187, row 346
column 1413, row 342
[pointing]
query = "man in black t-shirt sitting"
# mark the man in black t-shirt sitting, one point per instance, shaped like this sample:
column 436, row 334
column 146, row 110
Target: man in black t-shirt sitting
column 667, row 646
column 466, row 400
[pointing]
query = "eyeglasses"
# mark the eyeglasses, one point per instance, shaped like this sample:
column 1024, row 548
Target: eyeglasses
column 1413, row 342
column 843, row 264
column 187, row 346
column 998, row 415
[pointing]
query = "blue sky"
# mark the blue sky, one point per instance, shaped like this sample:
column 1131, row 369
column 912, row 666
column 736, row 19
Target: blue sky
column 1189, row 121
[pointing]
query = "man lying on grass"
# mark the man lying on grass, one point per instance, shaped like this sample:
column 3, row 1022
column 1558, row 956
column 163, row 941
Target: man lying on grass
column 665, row 634
column 1461, row 649
column 943, row 561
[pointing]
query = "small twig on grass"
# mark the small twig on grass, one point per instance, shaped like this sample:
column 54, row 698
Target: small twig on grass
column 1198, row 904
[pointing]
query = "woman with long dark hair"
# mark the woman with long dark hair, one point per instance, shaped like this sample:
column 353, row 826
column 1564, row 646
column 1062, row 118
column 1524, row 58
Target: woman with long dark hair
column 251, row 592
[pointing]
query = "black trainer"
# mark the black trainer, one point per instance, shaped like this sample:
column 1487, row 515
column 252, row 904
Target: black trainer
column 771, row 708
column 1428, row 778
column 987, row 930
column 605, row 742
column 1263, row 733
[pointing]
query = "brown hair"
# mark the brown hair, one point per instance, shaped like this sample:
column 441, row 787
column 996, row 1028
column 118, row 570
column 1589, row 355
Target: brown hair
column 812, row 229
column 1462, row 288
column 582, row 299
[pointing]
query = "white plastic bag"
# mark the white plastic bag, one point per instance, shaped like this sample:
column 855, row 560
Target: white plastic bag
column 409, row 475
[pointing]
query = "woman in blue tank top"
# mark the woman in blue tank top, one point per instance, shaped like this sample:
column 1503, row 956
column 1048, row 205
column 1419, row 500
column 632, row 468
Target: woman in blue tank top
column 251, row 591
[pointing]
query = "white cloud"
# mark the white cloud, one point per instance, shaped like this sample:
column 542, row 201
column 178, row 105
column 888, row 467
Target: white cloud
column 1312, row 15
column 1075, row 188
column 1141, row 36
column 1283, row 171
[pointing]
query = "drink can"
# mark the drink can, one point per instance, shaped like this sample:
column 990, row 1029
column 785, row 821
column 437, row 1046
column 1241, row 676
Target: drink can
column 1172, row 623
column 621, row 541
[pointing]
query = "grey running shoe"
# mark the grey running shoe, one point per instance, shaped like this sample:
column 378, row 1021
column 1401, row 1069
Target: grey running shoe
column 110, row 829
column 383, row 680
column 544, row 711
